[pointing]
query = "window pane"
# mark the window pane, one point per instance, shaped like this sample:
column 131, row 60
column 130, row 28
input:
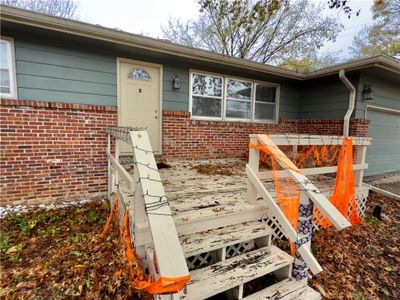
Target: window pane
column 239, row 89
column 4, row 55
column 265, row 93
column 206, row 107
column 264, row 111
column 139, row 74
column 5, row 87
column 207, row 85
column 4, row 81
column 238, row 109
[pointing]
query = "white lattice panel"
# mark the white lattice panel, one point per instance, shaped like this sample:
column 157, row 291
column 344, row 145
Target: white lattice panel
column 273, row 223
column 199, row 261
column 239, row 248
column 361, row 201
column 362, row 204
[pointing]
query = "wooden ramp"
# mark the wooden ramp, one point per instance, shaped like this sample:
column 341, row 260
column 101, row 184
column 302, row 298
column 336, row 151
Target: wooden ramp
column 223, row 237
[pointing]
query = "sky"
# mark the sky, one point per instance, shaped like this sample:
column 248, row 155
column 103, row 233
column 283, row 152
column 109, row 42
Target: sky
column 146, row 17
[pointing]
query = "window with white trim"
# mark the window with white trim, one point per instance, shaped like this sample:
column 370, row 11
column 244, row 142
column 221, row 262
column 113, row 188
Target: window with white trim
column 206, row 95
column 7, row 72
column 225, row 98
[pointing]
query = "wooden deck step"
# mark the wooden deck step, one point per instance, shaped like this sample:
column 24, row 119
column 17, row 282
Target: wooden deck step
column 287, row 289
column 232, row 272
column 213, row 239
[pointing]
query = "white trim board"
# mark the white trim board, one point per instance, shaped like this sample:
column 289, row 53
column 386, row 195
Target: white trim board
column 12, row 68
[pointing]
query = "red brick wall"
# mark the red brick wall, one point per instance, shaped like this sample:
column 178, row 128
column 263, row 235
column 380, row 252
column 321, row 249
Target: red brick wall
column 184, row 138
column 52, row 151
column 56, row 151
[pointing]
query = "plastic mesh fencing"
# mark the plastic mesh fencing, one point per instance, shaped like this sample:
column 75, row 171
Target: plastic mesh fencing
column 288, row 191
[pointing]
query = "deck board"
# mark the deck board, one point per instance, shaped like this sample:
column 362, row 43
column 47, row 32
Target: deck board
column 192, row 195
column 232, row 272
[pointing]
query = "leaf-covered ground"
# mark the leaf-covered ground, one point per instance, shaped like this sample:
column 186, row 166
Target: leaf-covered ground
column 57, row 254
column 361, row 262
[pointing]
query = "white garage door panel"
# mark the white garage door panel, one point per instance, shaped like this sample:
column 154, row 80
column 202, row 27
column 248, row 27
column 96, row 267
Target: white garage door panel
column 383, row 156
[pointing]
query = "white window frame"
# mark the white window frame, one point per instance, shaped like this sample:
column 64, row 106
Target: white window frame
column 215, row 97
column 225, row 79
column 12, row 71
column 276, row 103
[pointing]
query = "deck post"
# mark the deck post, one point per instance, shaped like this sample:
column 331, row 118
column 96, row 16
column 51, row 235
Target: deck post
column 254, row 163
column 116, row 179
column 361, row 153
column 304, row 233
column 109, row 170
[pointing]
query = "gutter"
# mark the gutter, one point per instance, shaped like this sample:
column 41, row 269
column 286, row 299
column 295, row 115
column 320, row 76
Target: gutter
column 352, row 100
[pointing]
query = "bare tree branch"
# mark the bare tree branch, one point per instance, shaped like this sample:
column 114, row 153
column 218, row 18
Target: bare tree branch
column 267, row 31
column 59, row 8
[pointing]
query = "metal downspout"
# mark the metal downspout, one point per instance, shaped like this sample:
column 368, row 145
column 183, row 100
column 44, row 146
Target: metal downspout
column 352, row 99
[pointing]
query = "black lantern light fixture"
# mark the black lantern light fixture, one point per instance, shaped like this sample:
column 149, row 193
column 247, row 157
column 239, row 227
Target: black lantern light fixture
column 367, row 92
column 176, row 82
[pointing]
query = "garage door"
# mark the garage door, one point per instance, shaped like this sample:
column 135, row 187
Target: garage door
column 383, row 156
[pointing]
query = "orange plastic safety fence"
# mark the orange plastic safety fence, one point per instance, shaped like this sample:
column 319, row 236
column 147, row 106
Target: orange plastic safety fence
column 287, row 191
column 110, row 217
column 344, row 194
column 317, row 156
column 269, row 147
column 163, row 285
column 287, row 194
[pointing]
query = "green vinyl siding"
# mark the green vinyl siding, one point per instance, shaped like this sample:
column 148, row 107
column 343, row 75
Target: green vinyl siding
column 383, row 156
column 175, row 99
column 64, row 71
column 324, row 99
column 51, row 73
column 385, row 94
column 288, row 102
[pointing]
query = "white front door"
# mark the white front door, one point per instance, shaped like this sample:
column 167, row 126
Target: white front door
column 139, row 100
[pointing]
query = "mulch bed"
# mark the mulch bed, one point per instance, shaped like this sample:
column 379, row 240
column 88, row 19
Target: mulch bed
column 57, row 254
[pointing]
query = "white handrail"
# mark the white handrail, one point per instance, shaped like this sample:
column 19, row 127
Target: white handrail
column 121, row 170
column 311, row 171
column 170, row 257
column 288, row 229
column 309, row 139
column 149, row 205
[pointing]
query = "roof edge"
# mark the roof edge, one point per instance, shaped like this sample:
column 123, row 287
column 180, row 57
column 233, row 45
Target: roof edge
column 381, row 61
column 26, row 17
column 79, row 28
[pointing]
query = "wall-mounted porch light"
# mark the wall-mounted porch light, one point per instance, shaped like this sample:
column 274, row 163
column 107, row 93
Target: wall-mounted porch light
column 367, row 92
column 176, row 82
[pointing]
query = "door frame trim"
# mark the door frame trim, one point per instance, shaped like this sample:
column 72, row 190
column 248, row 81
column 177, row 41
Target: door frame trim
column 160, row 85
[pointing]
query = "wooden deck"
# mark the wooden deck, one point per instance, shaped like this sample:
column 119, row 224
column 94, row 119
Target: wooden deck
column 195, row 196
column 190, row 191
column 220, row 217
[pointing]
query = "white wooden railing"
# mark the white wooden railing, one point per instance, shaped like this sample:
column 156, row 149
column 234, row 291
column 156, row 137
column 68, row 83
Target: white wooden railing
column 294, row 140
column 149, row 208
column 309, row 195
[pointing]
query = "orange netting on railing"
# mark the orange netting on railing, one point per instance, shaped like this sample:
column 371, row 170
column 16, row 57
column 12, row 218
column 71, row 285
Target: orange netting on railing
column 344, row 192
column 288, row 191
column 163, row 285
